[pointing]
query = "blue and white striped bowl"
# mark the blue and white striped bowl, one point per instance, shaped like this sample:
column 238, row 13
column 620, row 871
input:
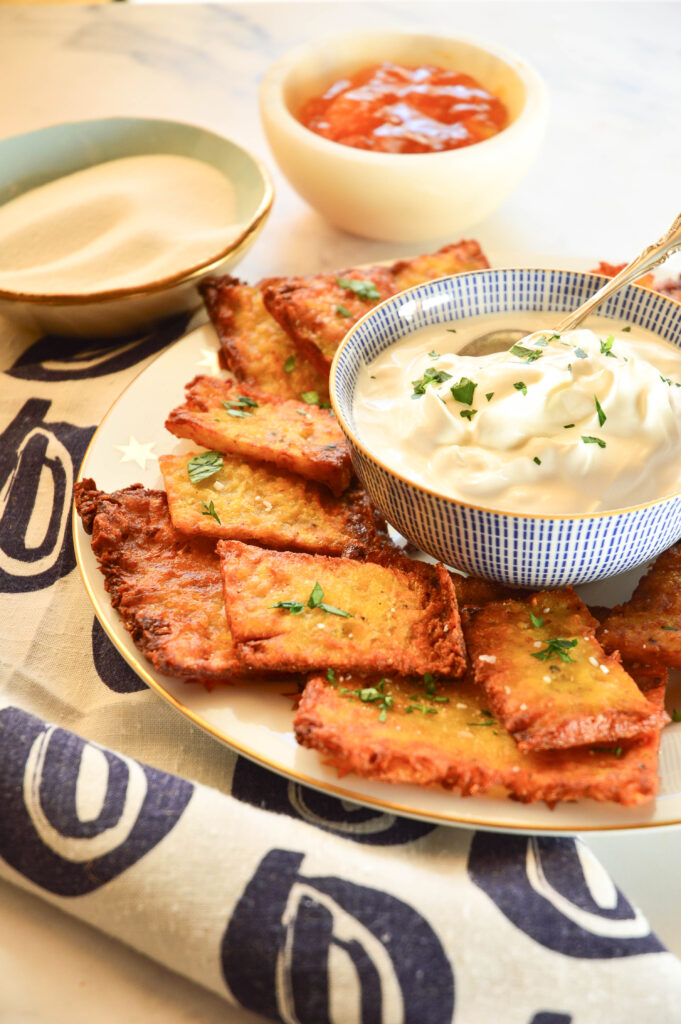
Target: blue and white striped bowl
column 523, row 550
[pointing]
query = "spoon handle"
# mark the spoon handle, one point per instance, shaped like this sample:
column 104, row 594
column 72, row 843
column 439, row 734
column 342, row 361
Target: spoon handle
column 649, row 258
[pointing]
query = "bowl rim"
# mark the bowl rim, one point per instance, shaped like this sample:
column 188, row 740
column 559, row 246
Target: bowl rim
column 355, row 442
column 271, row 93
column 172, row 280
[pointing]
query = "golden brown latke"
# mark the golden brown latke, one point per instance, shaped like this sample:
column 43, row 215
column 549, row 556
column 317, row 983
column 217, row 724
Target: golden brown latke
column 647, row 628
column 166, row 586
column 304, row 612
column 293, row 435
column 259, row 504
column 364, row 726
column 254, row 347
column 317, row 311
column 547, row 678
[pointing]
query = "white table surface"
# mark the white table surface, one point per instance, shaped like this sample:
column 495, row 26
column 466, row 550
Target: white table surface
column 605, row 184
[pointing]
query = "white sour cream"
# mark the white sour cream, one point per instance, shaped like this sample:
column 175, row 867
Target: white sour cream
column 582, row 422
column 119, row 224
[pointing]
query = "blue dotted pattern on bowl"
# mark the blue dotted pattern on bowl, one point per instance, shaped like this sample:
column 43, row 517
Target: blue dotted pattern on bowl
column 522, row 550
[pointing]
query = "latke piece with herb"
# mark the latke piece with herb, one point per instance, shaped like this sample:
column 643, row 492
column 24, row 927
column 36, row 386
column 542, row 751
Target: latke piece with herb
column 255, row 502
column 647, row 628
column 254, row 347
column 317, row 311
column 301, row 612
column 409, row 731
column 298, row 436
column 166, row 586
column 547, row 678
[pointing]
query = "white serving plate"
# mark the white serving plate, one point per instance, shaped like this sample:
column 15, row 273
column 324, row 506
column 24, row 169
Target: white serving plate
column 256, row 720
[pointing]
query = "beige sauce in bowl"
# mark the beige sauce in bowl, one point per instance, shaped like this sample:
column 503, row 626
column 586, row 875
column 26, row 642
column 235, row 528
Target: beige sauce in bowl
column 120, row 224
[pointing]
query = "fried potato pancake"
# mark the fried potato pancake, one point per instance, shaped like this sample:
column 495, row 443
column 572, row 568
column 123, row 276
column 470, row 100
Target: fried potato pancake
column 365, row 726
column 647, row 628
column 547, row 678
column 254, row 347
column 317, row 311
column 613, row 269
column 256, row 503
column 672, row 289
column 473, row 592
column 229, row 417
column 166, row 586
column 304, row 612
column 451, row 259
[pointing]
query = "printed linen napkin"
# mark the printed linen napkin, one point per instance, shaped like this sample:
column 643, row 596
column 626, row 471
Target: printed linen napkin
column 291, row 903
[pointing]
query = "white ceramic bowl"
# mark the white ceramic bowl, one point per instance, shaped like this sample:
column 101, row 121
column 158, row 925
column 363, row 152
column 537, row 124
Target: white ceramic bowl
column 30, row 160
column 402, row 197
column 522, row 550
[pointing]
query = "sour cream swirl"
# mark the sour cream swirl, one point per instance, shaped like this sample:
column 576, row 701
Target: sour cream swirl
column 573, row 423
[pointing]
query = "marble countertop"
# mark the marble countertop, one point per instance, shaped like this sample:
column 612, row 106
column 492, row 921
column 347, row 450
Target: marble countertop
column 605, row 184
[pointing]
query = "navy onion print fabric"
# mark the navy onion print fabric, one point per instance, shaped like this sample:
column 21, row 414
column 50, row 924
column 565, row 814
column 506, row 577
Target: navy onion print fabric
column 288, row 902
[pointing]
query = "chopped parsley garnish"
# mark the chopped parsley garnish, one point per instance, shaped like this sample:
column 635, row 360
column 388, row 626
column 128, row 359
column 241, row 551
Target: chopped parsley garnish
column 537, row 460
column 625, row 330
column 433, row 354
column 468, row 414
column 615, row 751
column 430, row 376
column 294, row 607
column 241, row 407
column 528, row 354
column 536, row 620
column 606, row 346
column 599, row 410
column 204, row 465
column 593, row 440
column 423, row 700
column 490, row 719
column 464, row 390
column 312, row 398
column 343, row 311
column 489, row 396
column 290, row 364
column 676, row 715
column 362, row 289
column 674, row 629
column 451, row 330
column 423, row 708
column 581, row 354
column 315, row 600
column 520, row 386
column 331, row 677
column 556, row 649
column 209, row 510
column 373, row 694
column 566, row 426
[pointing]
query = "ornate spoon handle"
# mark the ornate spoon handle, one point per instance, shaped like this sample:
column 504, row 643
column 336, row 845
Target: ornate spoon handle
column 649, row 258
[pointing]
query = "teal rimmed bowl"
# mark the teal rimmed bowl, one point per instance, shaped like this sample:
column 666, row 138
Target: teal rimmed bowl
column 521, row 550
column 36, row 158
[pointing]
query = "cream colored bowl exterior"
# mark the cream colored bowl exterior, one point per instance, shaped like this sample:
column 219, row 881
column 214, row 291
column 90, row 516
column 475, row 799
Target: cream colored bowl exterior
column 402, row 197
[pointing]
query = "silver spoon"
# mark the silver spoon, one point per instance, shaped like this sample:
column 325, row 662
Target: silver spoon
column 497, row 341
